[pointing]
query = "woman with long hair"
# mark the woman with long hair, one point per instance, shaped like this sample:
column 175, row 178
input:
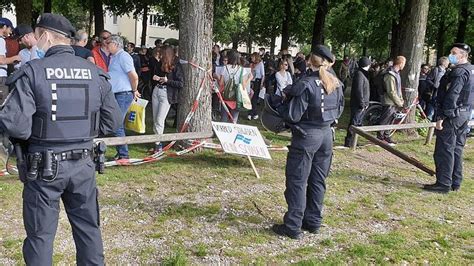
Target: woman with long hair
column 258, row 72
column 282, row 77
column 167, row 81
column 315, row 102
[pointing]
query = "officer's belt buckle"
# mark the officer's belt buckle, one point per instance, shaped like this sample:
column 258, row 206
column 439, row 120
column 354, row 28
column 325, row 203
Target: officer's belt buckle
column 74, row 155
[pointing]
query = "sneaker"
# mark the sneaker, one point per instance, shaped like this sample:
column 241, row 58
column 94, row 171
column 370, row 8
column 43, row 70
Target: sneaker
column 158, row 148
column 249, row 117
column 455, row 188
column 390, row 141
column 282, row 230
column 437, row 188
column 255, row 117
column 119, row 157
column 310, row 229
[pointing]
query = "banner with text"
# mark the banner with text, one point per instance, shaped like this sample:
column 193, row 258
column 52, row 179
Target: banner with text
column 241, row 139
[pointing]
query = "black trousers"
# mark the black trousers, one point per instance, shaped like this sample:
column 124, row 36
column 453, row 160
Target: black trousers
column 76, row 186
column 307, row 167
column 356, row 119
column 386, row 119
column 256, row 86
column 449, row 149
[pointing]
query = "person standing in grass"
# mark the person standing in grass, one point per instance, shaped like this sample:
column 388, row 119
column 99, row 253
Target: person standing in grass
column 167, row 81
column 454, row 105
column 315, row 102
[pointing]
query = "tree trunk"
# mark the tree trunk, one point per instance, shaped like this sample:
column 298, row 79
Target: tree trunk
column 319, row 21
column 235, row 44
column 98, row 17
column 364, row 48
column 91, row 18
column 440, row 38
column 144, row 24
column 463, row 19
column 195, row 38
column 272, row 45
column 285, row 27
column 395, row 39
column 249, row 44
column 413, row 37
column 47, row 6
column 23, row 10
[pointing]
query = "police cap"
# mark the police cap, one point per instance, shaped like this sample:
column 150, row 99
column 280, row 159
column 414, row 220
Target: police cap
column 324, row 52
column 462, row 46
column 6, row 22
column 57, row 23
column 21, row 30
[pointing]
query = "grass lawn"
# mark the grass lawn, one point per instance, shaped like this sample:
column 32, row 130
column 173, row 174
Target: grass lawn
column 208, row 208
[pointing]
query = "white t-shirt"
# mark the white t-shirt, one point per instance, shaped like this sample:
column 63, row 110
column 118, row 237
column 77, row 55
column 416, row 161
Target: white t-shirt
column 282, row 81
column 3, row 52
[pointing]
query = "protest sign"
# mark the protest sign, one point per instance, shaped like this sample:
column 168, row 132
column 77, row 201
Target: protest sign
column 241, row 139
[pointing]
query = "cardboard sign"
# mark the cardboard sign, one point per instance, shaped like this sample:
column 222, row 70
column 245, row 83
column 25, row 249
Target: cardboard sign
column 241, row 139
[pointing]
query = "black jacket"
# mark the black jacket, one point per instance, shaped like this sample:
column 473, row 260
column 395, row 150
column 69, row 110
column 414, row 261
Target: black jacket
column 360, row 92
column 175, row 80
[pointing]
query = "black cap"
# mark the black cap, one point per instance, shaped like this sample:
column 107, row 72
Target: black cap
column 462, row 46
column 6, row 22
column 57, row 23
column 22, row 30
column 364, row 61
column 324, row 52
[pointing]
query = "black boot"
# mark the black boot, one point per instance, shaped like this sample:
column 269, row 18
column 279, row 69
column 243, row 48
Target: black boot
column 310, row 229
column 282, row 230
column 437, row 188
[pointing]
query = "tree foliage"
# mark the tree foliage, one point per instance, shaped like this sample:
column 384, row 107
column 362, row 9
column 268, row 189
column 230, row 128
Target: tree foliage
column 352, row 27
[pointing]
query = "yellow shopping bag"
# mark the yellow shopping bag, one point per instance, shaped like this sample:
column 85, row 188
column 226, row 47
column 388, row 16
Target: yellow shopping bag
column 135, row 119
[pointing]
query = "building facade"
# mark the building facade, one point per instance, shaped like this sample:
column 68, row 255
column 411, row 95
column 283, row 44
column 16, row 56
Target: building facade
column 131, row 28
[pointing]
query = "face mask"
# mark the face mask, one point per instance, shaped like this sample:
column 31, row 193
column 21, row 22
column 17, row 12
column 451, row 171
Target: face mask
column 453, row 59
column 40, row 53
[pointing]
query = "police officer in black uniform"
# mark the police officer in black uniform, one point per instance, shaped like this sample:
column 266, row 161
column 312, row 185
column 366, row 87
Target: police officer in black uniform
column 58, row 104
column 454, row 103
column 316, row 101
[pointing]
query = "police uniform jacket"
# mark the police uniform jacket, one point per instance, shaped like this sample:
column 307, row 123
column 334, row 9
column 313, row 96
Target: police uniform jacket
column 310, row 107
column 60, row 102
column 456, row 92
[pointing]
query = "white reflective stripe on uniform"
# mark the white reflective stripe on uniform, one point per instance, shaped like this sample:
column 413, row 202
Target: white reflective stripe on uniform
column 322, row 100
column 54, row 97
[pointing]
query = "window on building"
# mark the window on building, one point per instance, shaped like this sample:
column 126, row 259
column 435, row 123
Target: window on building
column 156, row 20
column 114, row 19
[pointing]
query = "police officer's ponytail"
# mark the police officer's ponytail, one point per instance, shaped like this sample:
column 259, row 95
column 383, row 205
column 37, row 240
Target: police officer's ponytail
column 330, row 82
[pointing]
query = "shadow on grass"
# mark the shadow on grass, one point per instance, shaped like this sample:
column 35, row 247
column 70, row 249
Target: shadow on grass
column 209, row 159
column 364, row 177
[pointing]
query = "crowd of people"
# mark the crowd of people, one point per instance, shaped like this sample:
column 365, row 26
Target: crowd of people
column 157, row 75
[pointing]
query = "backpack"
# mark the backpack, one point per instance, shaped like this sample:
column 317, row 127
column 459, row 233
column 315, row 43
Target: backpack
column 230, row 88
column 379, row 83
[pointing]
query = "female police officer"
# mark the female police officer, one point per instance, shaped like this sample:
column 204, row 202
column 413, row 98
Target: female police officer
column 315, row 102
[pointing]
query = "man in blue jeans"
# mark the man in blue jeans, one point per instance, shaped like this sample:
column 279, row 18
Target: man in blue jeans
column 124, row 80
